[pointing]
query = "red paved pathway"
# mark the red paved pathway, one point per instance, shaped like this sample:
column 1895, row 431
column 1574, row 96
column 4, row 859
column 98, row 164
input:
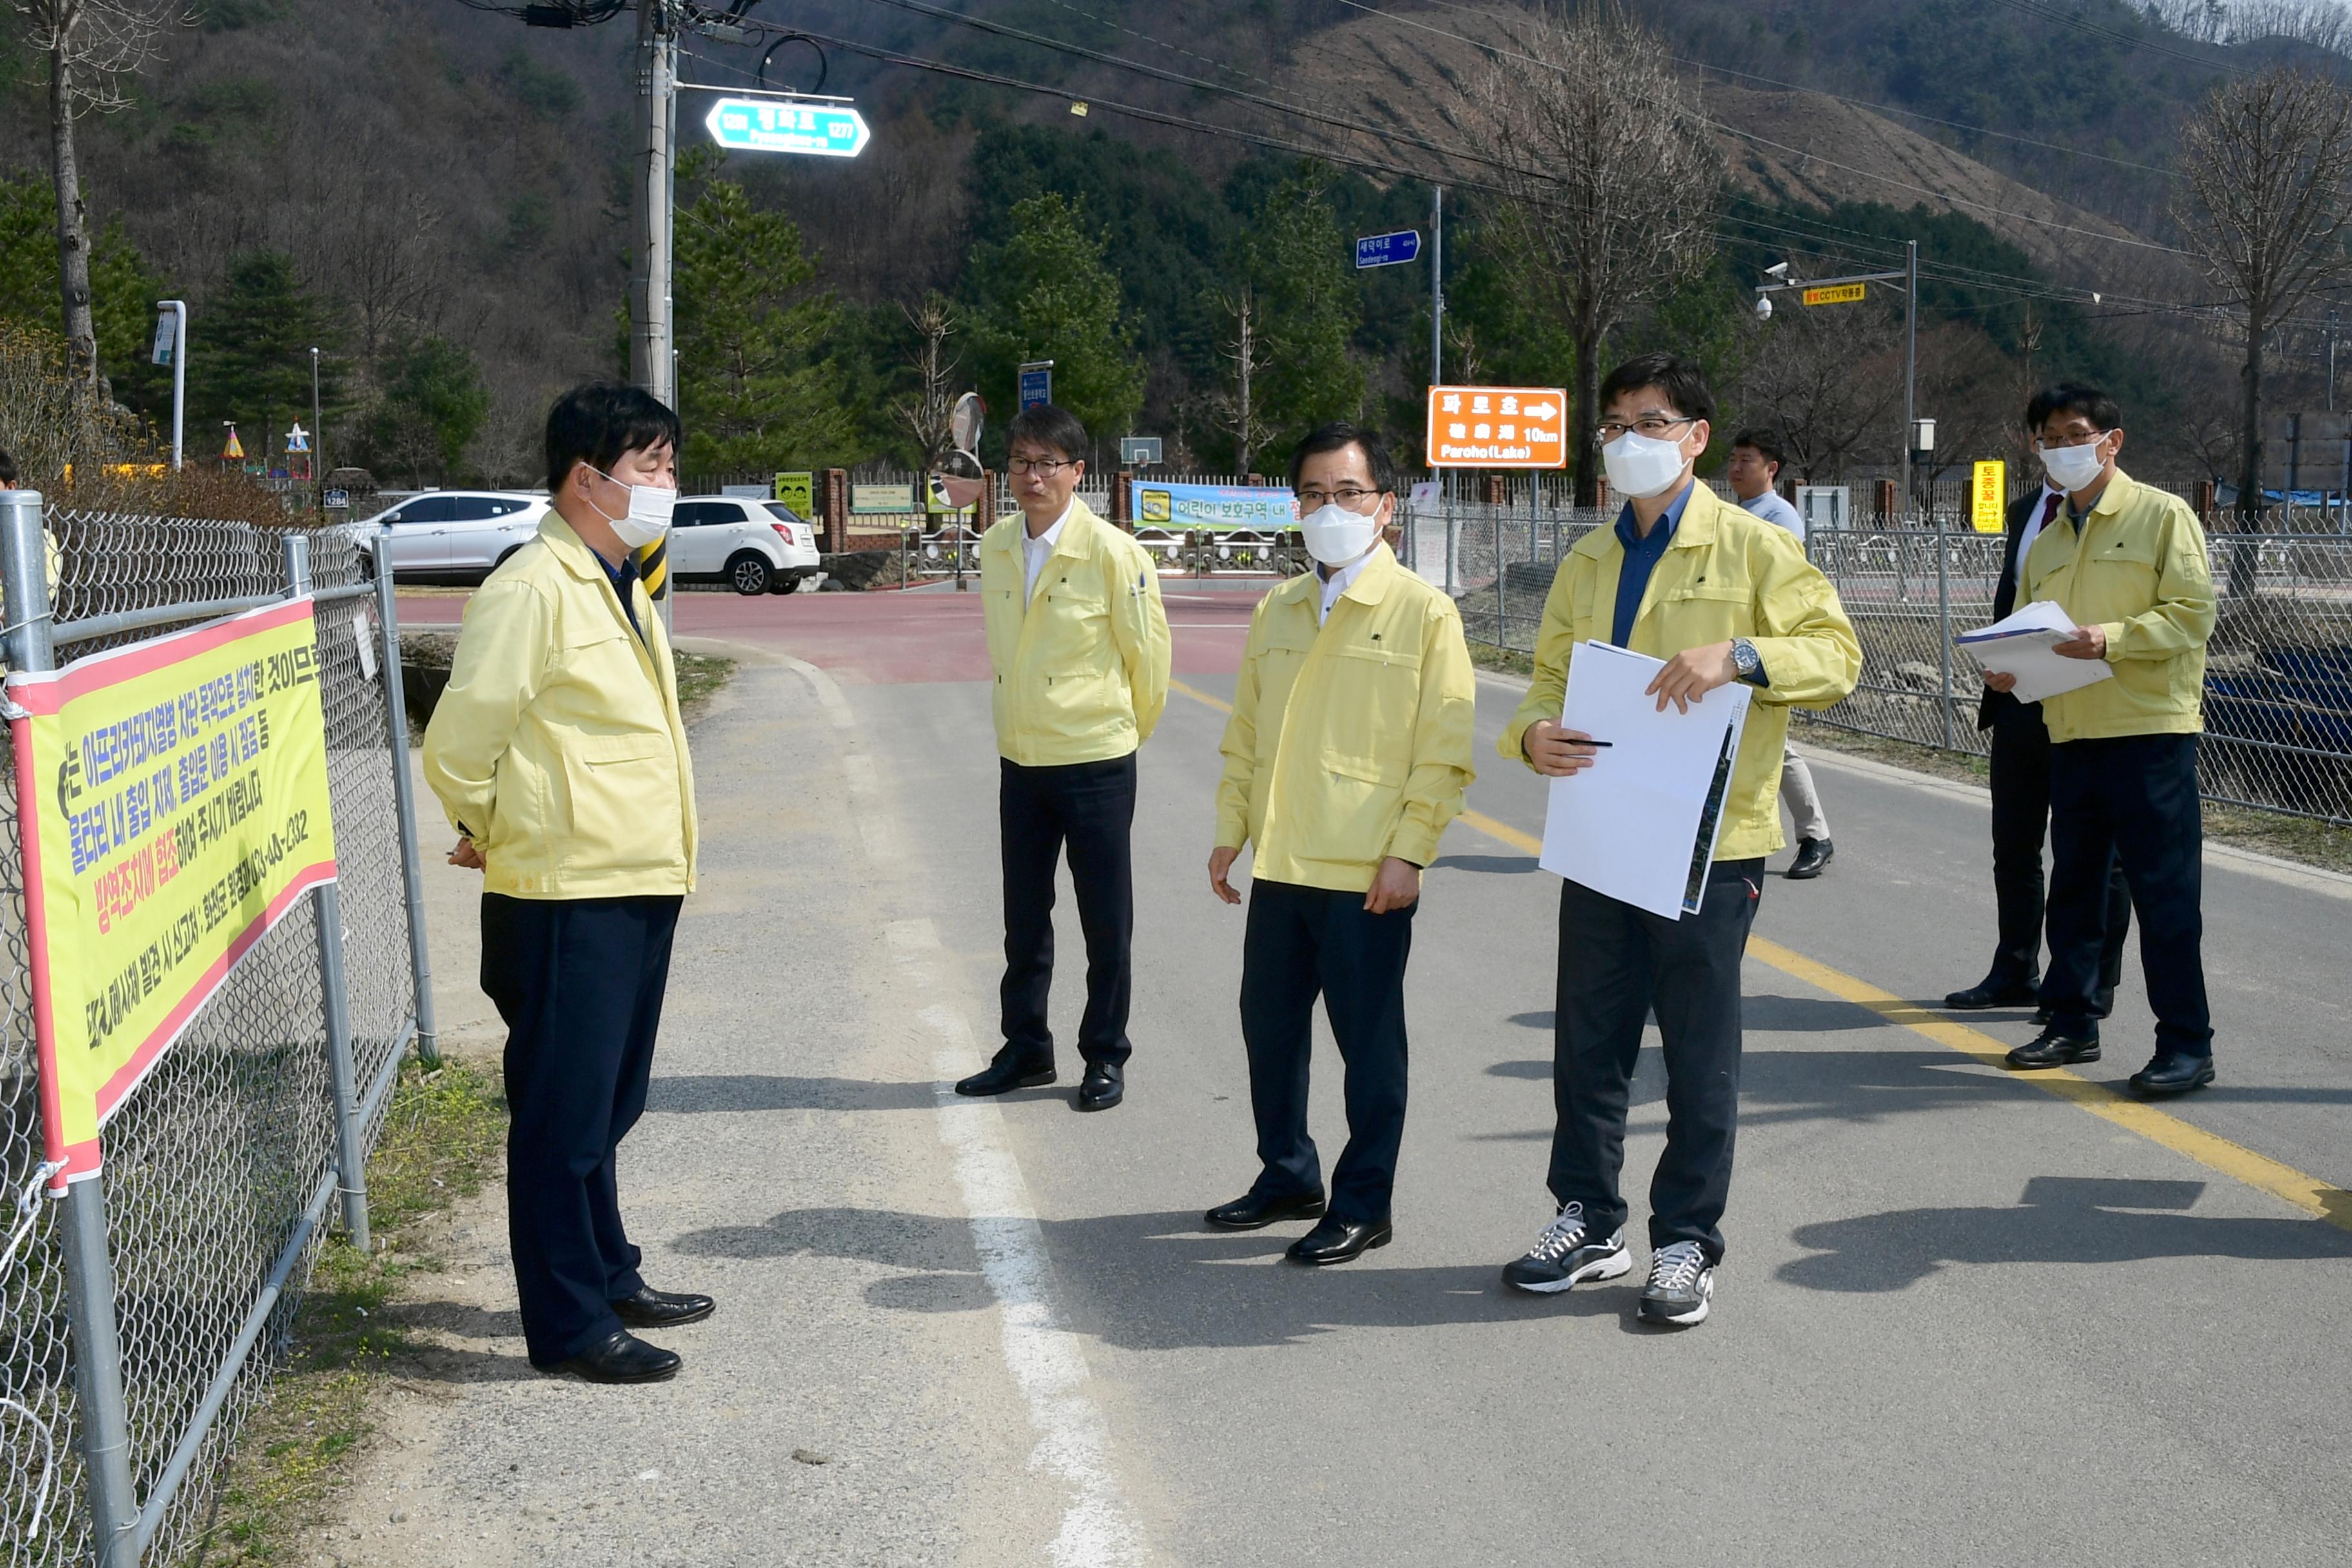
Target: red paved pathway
column 892, row 638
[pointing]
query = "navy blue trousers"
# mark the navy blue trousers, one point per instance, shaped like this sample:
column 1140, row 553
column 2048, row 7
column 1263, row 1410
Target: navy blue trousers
column 1303, row 942
column 1088, row 808
column 2133, row 797
column 579, row 983
column 1616, row 964
column 2021, row 822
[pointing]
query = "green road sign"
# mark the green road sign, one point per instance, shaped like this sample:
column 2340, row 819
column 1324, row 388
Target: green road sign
column 772, row 125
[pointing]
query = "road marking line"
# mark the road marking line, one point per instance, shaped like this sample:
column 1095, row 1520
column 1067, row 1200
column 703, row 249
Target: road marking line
column 2214, row 1152
column 1045, row 1357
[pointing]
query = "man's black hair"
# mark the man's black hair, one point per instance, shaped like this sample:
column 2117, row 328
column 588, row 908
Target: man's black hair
column 596, row 423
column 1681, row 379
column 1767, row 446
column 8, row 469
column 2073, row 397
column 1341, row 434
column 1050, row 424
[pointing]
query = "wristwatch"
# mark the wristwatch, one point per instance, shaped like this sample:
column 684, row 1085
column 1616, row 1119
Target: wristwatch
column 1746, row 660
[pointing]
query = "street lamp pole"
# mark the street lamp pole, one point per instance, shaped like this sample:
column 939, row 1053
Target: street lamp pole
column 318, row 438
column 1908, row 281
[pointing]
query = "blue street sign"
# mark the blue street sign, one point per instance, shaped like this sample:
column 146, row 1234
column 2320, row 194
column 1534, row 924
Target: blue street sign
column 1036, row 384
column 1388, row 250
column 774, row 125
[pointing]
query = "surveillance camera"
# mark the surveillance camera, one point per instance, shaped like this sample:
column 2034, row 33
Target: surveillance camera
column 1763, row 307
column 1778, row 269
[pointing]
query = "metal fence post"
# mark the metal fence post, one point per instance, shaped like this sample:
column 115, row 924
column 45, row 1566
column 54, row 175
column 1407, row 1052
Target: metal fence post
column 1944, row 622
column 88, row 1266
column 403, row 795
column 327, row 911
column 1453, row 543
column 1501, row 570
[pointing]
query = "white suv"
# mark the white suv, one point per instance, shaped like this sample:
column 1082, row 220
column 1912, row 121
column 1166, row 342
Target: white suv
column 453, row 533
column 754, row 546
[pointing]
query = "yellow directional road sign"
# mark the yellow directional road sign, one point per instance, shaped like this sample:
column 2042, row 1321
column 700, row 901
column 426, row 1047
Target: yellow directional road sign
column 1837, row 294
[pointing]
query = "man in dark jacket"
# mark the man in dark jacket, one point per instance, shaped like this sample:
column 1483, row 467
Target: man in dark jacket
column 2021, row 800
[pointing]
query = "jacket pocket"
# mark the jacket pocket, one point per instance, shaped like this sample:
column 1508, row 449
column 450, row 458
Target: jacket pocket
column 1697, row 613
column 1370, row 702
column 623, row 808
column 1351, row 811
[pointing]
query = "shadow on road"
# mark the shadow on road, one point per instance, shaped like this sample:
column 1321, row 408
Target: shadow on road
column 2059, row 1219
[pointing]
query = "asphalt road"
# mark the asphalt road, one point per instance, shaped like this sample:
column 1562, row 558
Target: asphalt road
column 1963, row 1319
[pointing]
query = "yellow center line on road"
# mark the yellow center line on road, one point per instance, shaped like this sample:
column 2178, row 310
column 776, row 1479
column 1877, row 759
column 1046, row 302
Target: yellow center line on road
column 2216, row 1153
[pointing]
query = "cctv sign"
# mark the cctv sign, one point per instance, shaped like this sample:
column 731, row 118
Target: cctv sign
column 1498, row 427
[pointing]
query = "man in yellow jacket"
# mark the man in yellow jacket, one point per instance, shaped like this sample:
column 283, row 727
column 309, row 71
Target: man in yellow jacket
column 1720, row 595
column 1077, row 643
column 2128, row 562
column 558, row 752
column 1346, row 754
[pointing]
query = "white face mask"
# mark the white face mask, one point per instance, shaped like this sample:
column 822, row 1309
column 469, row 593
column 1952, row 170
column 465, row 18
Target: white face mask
column 1334, row 536
column 648, row 516
column 2072, row 468
column 1642, row 466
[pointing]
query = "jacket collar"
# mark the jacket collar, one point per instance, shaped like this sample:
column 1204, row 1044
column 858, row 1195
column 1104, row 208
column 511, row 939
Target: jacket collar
column 1702, row 516
column 568, row 547
column 2111, row 500
column 1077, row 538
column 1371, row 586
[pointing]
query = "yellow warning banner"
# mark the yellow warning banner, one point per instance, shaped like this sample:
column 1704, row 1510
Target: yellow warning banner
column 172, row 804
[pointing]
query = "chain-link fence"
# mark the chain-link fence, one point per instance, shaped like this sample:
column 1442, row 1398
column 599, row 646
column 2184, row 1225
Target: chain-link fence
column 2278, row 681
column 120, row 1406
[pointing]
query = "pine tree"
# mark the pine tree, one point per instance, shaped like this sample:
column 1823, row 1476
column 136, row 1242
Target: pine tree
column 252, row 364
column 1048, row 293
column 758, row 390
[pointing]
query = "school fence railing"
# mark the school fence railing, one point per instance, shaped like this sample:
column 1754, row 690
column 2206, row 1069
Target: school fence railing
column 142, row 1313
column 2278, row 675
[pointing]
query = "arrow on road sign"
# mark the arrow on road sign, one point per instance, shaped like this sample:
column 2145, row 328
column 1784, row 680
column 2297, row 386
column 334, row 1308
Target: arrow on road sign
column 780, row 125
column 1540, row 410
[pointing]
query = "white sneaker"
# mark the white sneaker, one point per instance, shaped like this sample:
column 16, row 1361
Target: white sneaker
column 1681, row 1287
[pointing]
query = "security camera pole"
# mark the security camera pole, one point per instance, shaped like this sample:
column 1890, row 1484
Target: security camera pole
column 1846, row 291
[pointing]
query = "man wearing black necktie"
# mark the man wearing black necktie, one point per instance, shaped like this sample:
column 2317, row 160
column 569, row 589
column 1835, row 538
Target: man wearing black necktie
column 2021, row 800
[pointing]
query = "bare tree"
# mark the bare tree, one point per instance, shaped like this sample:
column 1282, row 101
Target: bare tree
column 1609, row 179
column 2265, row 207
column 1967, row 385
column 1830, row 383
column 928, row 411
column 1236, row 412
column 91, row 45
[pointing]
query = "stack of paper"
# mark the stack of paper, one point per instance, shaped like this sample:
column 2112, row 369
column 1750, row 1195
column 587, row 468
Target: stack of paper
column 1640, row 825
column 2021, row 646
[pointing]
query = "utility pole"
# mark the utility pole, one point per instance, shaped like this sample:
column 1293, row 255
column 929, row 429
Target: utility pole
column 2331, row 358
column 1437, row 286
column 317, row 441
column 650, row 346
column 1910, row 363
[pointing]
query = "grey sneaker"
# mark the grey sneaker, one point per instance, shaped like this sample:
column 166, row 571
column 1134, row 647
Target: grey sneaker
column 1563, row 1256
column 1681, row 1287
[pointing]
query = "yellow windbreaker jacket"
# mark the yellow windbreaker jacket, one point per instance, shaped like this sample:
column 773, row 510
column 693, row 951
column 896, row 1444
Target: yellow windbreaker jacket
column 2138, row 571
column 1350, row 742
column 558, row 748
column 1081, row 669
column 1728, row 575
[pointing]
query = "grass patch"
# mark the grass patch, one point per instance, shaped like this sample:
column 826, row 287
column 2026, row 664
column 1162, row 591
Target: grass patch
column 1509, row 661
column 700, row 678
column 440, row 1141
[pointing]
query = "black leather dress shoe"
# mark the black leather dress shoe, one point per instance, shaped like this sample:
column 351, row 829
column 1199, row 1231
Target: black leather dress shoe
column 1002, row 1075
column 2051, row 1048
column 1991, row 993
column 1255, row 1211
column 1103, row 1087
column 1338, row 1241
column 1814, row 856
column 2173, row 1072
column 624, row 1358
column 652, row 1308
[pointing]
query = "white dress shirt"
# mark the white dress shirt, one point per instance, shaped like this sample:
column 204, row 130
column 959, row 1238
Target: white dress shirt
column 1036, row 547
column 2045, row 508
column 1335, row 582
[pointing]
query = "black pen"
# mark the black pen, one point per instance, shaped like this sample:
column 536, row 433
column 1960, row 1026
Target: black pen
column 1592, row 743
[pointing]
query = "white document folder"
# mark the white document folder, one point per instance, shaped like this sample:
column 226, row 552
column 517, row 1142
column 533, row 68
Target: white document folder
column 2021, row 645
column 1640, row 825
